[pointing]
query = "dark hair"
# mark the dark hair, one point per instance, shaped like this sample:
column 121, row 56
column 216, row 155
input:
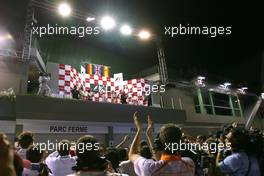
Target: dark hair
column 143, row 143
column 123, row 154
column 238, row 140
column 202, row 138
column 34, row 154
column 145, row 152
column 25, row 139
column 168, row 134
column 114, row 157
column 64, row 148
column 89, row 159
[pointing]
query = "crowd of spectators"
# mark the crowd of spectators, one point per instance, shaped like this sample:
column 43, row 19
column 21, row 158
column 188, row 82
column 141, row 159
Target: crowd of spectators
column 240, row 154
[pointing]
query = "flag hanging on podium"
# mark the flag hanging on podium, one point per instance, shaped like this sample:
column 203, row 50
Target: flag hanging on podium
column 100, row 70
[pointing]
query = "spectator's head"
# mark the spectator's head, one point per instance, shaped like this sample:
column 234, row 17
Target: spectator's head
column 145, row 152
column 238, row 140
column 200, row 139
column 168, row 135
column 88, row 154
column 113, row 157
column 64, row 148
column 123, row 154
column 25, row 139
column 34, row 154
column 143, row 143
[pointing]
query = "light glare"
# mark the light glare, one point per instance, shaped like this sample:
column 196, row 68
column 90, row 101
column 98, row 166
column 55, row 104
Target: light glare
column 90, row 19
column 64, row 9
column 126, row 30
column 144, row 34
column 107, row 23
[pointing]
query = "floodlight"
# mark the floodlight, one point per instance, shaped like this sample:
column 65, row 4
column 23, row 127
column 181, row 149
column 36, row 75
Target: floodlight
column 126, row 30
column 107, row 23
column 144, row 34
column 64, row 9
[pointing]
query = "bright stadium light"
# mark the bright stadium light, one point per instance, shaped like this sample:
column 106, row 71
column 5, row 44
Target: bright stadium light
column 144, row 35
column 64, row 9
column 126, row 30
column 107, row 23
column 90, row 19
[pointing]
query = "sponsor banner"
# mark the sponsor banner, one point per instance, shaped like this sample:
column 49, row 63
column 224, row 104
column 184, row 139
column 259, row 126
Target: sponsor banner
column 7, row 127
column 118, row 79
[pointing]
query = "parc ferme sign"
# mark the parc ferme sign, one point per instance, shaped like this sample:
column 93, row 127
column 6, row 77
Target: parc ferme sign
column 62, row 127
column 77, row 127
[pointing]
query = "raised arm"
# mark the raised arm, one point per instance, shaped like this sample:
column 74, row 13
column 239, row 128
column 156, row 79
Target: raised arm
column 121, row 144
column 133, row 152
column 150, row 137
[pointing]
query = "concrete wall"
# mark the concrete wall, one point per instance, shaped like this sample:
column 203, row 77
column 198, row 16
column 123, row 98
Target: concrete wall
column 52, row 68
column 7, row 118
column 13, row 74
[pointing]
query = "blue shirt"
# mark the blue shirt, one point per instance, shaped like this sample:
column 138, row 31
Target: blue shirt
column 237, row 164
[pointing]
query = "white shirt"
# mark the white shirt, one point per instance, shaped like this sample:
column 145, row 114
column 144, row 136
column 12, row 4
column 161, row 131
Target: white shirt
column 127, row 167
column 29, row 172
column 147, row 167
column 96, row 174
column 60, row 165
column 22, row 153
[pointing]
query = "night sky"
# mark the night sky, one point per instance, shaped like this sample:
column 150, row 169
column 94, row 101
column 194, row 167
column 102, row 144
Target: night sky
column 236, row 57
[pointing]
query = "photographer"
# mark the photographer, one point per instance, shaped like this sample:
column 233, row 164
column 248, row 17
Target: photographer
column 239, row 162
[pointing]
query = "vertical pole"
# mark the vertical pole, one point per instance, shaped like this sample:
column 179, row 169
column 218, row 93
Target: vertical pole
column 180, row 102
column 200, row 99
column 110, row 137
column 231, row 105
column 212, row 102
column 253, row 113
column 162, row 61
column 239, row 106
column 172, row 103
column 161, row 101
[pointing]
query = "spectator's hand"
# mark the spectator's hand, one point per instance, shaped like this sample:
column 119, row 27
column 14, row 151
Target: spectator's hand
column 4, row 146
column 126, row 138
column 150, row 128
column 137, row 122
column 6, row 152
